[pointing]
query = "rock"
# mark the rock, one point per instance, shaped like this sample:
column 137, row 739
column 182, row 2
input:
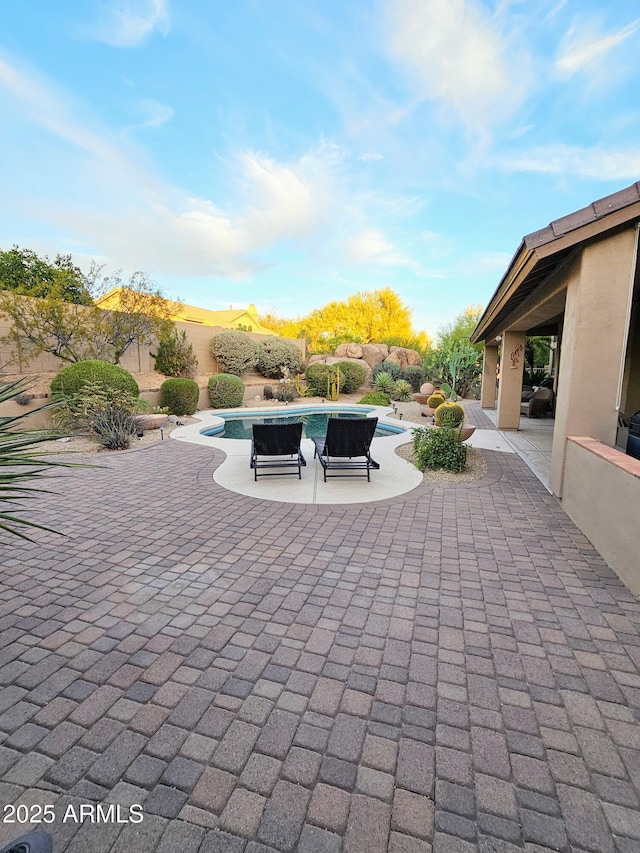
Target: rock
column 404, row 357
column 349, row 351
column 149, row 421
column 319, row 359
column 267, row 392
column 427, row 389
column 374, row 353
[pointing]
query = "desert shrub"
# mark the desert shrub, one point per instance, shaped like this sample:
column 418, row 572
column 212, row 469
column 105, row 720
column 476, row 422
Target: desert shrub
column 320, row 376
column 414, row 375
column 390, row 367
column 175, row 356
column 112, row 378
column 226, row 391
column 353, row 376
column 435, row 400
column 449, row 414
column 285, row 393
column 180, row 396
column 384, row 382
column 276, row 353
column 113, row 426
column 401, row 391
column 377, row 398
column 235, row 352
column 77, row 411
column 438, row 447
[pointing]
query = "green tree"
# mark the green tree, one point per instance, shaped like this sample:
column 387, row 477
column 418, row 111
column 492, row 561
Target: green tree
column 23, row 272
column 455, row 360
column 460, row 328
column 75, row 332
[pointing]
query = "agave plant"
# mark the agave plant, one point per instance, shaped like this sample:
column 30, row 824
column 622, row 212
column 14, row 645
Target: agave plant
column 18, row 462
column 384, row 382
column 401, row 391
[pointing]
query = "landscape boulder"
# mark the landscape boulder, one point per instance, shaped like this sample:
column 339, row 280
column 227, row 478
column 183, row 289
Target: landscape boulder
column 373, row 354
column 404, row 357
column 349, row 351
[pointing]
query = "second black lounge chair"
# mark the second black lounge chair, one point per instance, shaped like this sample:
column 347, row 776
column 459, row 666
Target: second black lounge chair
column 277, row 440
column 346, row 445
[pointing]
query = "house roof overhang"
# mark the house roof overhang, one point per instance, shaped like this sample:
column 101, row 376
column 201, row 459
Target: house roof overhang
column 542, row 252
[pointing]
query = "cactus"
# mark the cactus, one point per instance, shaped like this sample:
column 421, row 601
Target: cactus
column 435, row 400
column 449, row 414
column 333, row 385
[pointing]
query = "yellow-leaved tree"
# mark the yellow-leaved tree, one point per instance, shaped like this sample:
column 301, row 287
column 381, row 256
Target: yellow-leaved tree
column 365, row 317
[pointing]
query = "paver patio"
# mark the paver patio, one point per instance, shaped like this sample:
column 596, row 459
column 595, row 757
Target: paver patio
column 455, row 669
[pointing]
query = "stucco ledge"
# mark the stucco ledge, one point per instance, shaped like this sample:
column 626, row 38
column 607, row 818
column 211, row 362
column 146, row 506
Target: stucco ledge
column 609, row 454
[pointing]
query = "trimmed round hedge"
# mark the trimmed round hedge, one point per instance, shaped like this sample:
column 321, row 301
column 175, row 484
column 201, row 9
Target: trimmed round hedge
column 234, row 351
column 180, row 396
column 390, row 367
column 226, row 391
column 276, row 353
column 110, row 377
column 353, row 376
column 414, row 375
column 319, row 375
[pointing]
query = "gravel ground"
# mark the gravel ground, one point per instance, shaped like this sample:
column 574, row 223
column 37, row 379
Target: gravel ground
column 476, row 466
column 86, row 444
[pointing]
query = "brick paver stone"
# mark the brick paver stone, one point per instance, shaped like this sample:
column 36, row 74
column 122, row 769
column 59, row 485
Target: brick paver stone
column 455, row 670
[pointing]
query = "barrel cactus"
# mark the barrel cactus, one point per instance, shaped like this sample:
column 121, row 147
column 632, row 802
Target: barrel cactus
column 449, row 414
column 435, row 400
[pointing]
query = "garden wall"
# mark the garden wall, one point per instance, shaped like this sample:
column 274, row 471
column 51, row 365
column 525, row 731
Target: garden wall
column 601, row 495
column 136, row 360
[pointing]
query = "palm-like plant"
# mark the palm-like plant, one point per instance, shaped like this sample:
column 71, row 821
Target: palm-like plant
column 18, row 462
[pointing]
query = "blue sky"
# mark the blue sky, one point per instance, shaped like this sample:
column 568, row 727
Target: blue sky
column 287, row 153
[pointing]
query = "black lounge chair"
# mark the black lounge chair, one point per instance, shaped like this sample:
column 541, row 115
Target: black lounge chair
column 346, row 445
column 273, row 440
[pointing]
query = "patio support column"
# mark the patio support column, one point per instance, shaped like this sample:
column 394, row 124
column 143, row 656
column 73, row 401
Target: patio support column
column 489, row 366
column 510, row 387
column 593, row 337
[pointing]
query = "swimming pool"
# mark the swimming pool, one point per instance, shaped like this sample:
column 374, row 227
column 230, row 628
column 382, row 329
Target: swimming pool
column 314, row 421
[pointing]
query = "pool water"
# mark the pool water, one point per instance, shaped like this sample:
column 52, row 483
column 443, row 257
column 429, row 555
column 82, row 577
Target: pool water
column 314, row 424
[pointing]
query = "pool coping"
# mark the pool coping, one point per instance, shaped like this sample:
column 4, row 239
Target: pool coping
column 396, row 476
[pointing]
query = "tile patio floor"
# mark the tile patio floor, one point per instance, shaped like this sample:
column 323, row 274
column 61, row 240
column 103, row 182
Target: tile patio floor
column 453, row 670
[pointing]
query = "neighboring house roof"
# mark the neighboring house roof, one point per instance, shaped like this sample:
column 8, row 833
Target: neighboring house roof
column 541, row 252
column 230, row 319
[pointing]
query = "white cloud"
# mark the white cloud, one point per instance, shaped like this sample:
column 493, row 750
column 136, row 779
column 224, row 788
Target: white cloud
column 599, row 163
column 127, row 23
column 372, row 247
column 114, row 205
column 456, row 53
column 154, row 113
column 583, row 45
column 371, row 157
